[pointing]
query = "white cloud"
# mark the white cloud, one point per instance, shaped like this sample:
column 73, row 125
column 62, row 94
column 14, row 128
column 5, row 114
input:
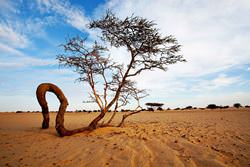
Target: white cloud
column 214, row 35
column 72, row 15
column 9, row 50
column 14, row 58
column 12, row 37
column 219, row 82
column 8, row 6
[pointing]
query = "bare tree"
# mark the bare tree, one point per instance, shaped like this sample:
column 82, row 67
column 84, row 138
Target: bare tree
column 148, row 50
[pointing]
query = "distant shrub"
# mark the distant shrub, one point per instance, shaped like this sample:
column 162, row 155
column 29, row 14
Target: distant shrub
column 212, row 106
column 237, row 105
column 19, row 111
column 195, row 108
column 150, row 109
column 247, row 106
column 169, row 109
column 225, row 106
column 188, row 107
column 177, row 108
column 159, row 108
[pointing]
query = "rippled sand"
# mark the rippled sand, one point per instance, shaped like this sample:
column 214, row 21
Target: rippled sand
column 173, row 138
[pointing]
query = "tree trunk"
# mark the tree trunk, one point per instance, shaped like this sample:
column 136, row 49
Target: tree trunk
column 61, row 130
column 94, row 123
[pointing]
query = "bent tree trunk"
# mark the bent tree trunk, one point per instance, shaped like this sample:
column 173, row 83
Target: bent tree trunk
column 40, row 94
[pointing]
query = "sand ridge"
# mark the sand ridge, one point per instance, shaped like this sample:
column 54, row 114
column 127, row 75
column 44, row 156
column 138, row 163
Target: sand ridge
column 200, row 138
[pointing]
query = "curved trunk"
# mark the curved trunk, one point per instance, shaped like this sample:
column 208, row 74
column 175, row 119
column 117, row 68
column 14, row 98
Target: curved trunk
column 40, row 94
column 94, row 123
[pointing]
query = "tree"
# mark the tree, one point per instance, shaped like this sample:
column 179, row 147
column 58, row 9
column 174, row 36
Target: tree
column 212, row 106
column 237, row 105
column 153, row 106
column 147, row 49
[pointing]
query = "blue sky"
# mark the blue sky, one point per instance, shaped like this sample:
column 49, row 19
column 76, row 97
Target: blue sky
column 215, row 36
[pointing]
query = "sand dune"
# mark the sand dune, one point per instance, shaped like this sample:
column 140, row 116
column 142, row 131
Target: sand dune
column 173, row 138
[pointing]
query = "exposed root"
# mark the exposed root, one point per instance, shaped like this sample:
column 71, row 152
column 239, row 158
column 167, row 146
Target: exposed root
column 61, row 130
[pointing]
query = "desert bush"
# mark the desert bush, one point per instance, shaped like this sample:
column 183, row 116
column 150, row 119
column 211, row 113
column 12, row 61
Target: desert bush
column 188, row 107
column 177, row 108
column 19, row 111
column 225, row 106
column 159, row 108
column 150, row 109
column 212, row 106
column 237, row 105
column 247, row 106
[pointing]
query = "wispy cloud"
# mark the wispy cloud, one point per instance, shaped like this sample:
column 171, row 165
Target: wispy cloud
column 221, row 81
column 8, row 6
column 71, row 14
column 214, row 35
column 12, row 37
column 9, row 50
column 14, row 58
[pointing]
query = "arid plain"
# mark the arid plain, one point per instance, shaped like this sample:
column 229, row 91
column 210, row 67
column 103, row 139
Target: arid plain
column 218, row 137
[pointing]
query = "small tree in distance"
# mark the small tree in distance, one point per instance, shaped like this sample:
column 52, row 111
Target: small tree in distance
column 147, row 49
column 154, row 106
column 237, row 105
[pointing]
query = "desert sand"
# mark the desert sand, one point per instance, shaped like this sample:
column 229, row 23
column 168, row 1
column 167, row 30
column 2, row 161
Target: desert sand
column 164, row 138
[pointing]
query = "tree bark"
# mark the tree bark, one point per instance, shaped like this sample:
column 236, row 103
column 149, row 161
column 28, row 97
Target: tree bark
column 94, row 123
column 40, row 94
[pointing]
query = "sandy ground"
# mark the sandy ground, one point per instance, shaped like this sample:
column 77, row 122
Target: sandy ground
column 174, row 138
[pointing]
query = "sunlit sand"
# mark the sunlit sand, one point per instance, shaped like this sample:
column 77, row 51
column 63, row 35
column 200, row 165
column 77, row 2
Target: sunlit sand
column 167, row 138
